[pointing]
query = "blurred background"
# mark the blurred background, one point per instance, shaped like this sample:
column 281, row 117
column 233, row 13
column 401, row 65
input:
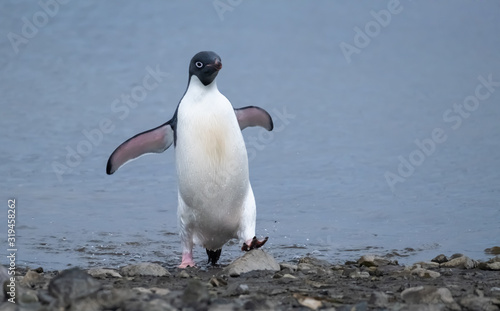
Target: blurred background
column 351, row 87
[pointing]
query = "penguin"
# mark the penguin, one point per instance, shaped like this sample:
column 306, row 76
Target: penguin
column 215, row 199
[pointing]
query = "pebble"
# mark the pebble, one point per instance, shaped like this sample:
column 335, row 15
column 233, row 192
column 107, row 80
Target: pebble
column 27, row 296
column 195, row 294
column 183, row 274
column 31, row 279
column 238, row 289
column 462, row 262
column 253, row 260
column 372, row 261
column 440, row 258
column 478, row 303
column 217, row 282
column 429, row 295
column 379, row 299
column 101, row 273
column 291, row 267
column 72, row 284
column 308, row 302
column 144, row 269
column 495, row 250
column 423, row 273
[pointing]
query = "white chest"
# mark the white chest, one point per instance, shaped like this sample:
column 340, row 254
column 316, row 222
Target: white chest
column 210, row 150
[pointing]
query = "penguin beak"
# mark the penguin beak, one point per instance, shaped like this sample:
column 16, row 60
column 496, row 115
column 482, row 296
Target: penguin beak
column 217, row 65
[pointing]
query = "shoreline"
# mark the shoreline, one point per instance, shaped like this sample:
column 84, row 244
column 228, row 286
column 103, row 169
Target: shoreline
column 256, row 281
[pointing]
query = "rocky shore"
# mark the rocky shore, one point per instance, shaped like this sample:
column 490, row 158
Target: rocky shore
column 256, row 281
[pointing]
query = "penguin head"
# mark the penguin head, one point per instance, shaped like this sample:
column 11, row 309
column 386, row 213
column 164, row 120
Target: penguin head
column 205, row 65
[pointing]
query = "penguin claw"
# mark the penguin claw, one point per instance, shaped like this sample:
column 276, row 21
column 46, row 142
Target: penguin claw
column 253, row 244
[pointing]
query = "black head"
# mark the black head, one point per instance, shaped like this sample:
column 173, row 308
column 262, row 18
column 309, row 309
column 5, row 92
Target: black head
column 205, row 65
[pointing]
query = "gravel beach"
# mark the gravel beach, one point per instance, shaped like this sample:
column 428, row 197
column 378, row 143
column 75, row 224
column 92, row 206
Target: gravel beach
column 256, row 281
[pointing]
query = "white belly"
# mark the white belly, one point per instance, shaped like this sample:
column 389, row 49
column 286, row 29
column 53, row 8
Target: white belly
column 212, row 168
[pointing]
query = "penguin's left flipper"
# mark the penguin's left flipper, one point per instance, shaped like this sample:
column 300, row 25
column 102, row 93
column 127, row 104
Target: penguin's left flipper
column 155, row 140
column 254, row 116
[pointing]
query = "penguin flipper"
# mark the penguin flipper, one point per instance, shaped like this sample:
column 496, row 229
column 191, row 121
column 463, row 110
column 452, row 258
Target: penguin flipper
column 253, row 116
column 155, row 140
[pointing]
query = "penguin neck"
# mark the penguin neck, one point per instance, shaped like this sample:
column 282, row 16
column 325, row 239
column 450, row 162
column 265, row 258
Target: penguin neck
column 196, row 89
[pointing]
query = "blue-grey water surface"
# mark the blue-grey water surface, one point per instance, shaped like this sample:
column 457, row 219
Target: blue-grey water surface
column 347, row 106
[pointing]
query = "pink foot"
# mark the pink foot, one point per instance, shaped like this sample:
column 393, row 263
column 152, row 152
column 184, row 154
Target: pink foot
column 187, row 261
column 253, row 243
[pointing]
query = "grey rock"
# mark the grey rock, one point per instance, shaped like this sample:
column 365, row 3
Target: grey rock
column 26, row 296
column 113, row 298
column 31, row 278
column 151, row 305
column 217, row 282
column 315, row 262
column 72, row 284
column 423, row 273
column 462, row 262
column 253, row 260
column 478, row 303
column 492, row 264
column 7, row 306
column 427, row 264
column 379, row 299
column 183, row 274
column 359, row 274
column 440, row 258
column 291, row 267
column 86, row 304
column 495, row 250
column 237, row 289
column 195, row 294
column 160, row 291
column 429, row 295
column 101, row 273
column 144, row 269
column 372, row 261
column 309, row 265
column 4, row 275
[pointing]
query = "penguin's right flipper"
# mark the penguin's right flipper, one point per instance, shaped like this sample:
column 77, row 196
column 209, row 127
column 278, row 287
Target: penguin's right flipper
column 155, row 140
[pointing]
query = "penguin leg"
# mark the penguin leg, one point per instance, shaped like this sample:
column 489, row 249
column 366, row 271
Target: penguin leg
column 213, row 256
column 253, row 243
column 247, row 229
column 187, row 251
column 186, row 235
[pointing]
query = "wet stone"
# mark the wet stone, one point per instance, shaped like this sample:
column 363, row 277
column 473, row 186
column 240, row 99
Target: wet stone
column 144, row 269
column 440, row 258
column 461, row 262
column 478, row 303
column 238, row 289
column 495, row 250
column 101, row 273
column 31, row 278
column 379, row 299
column 72, row 284
column 372, row 261
column 195, row 294
column 254, row 260
column 429, row 295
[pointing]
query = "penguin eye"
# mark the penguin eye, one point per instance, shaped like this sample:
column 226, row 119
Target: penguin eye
column 198, row 64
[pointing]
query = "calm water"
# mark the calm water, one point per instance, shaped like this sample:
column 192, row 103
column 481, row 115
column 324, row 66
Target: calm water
column 347, row 107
